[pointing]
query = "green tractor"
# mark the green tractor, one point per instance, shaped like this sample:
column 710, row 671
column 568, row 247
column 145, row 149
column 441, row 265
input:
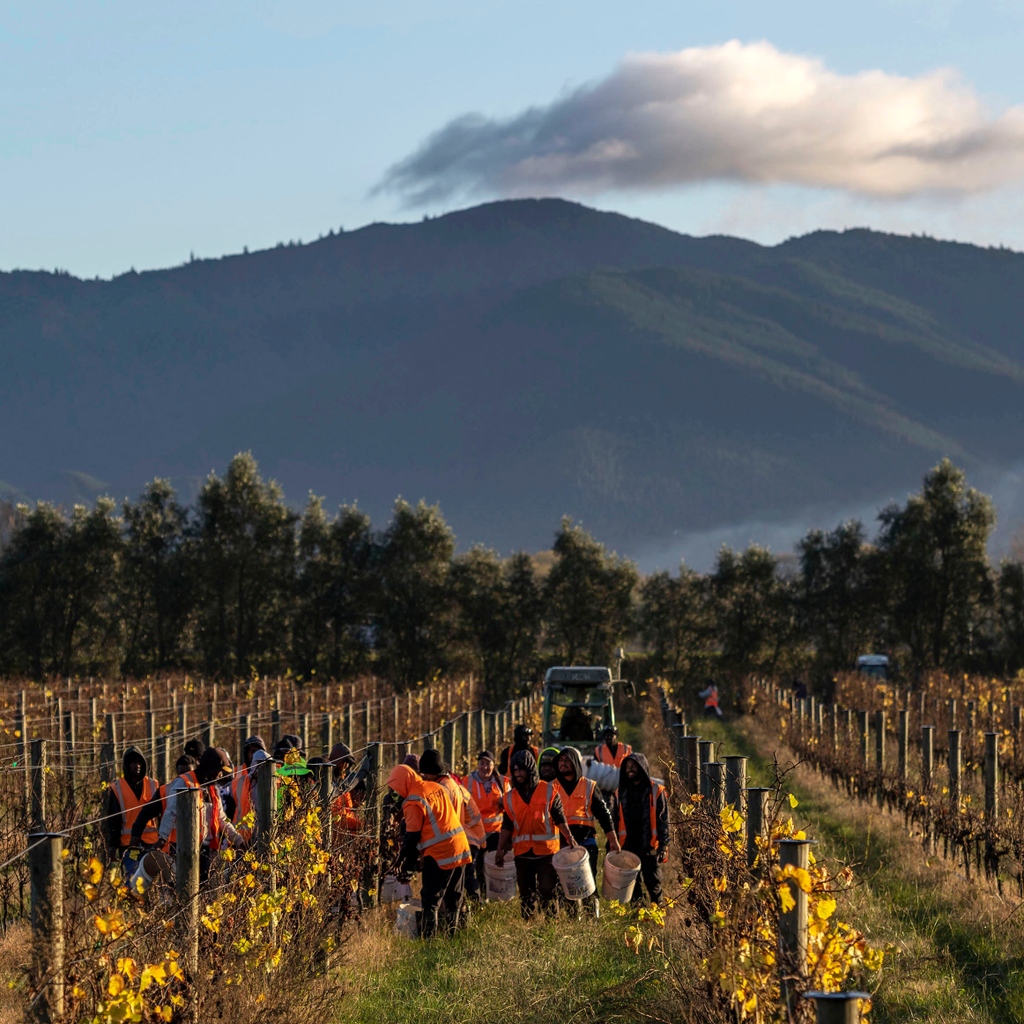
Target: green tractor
column 578, row 704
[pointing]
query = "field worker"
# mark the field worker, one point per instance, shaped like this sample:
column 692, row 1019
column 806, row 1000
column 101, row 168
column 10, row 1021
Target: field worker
column 165, row 806
column 532, row 813
column 238, row 803
column 488, row 789
column 584, row 805
column 521, row 736
column 547, row 764
column 432, row 830
column 611, row 751
column 122, row 803
column 217, row 828
column 342, row 804
column 643, row 823
column 195, row 749
column 710, row 695
column 433, row 769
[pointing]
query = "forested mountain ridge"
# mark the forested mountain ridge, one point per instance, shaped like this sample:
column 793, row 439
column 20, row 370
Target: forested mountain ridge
column 522, row 360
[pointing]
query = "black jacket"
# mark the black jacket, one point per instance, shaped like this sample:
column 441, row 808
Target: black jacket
column 635, row 810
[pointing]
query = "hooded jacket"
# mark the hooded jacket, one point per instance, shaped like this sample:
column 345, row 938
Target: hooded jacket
column 144, row 791
column 635, row 810
column 566, row 787
column 524, row 759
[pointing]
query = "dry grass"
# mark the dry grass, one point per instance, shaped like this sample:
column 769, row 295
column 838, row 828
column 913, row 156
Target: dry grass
column 15, row 958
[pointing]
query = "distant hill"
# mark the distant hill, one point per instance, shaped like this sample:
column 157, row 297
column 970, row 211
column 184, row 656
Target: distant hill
column 521, row 360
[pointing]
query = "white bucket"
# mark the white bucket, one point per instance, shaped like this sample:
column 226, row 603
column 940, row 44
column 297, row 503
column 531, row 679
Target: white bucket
column 405, row 922
column 501, row 882
column 619, row 876
column 573, row 866
column 605, row 775
column 394, row 891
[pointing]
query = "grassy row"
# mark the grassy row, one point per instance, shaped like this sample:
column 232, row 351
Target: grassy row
column 956, row 948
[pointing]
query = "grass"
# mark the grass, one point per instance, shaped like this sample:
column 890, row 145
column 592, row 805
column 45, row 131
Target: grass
column 499, row 969
column 956, row 948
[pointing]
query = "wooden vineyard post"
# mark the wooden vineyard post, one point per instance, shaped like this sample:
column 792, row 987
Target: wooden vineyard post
column 46, row 879
column 304, row 733
column 837, row 1007
column 37, row 810
column 862, row 736
column 492, row 733
column 463, row 741
column 275, row 725
column 955, row 770
column 758, row 825
column 479, row 740
column 326, row 733
column 183, row 721
column 151, row 736
column 186, row 883
column 372, row 802
column 991, row 776
column 244, row 732
column 927, row 756
column 366, row 723
column 448, row 744
column 160, row 766
column 349, row 729
column 715, row 772
column 692, row 746
column 880, row 742
column 901, row 746
column 206, row 733
column 735, row 780
column 323, row 774
column 678, row 735
column 68, row 740
column 705, row 755
column 793, row 922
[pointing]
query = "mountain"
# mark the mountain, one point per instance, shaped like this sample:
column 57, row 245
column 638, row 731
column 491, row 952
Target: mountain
column 522, row 360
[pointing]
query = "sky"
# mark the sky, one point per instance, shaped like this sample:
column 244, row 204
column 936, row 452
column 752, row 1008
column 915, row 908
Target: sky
column 135, row 135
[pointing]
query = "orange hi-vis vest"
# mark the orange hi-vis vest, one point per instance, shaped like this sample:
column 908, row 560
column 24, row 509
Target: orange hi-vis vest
column 241, row 791
column 429, row 811
column 657, row 789
column 130, row 807
column 465, row 805
column 489, row 801
column 604, row 755
column 577, row 804
column 191, row 782
column 216, row 813
column 532, row 828
column 711, row 700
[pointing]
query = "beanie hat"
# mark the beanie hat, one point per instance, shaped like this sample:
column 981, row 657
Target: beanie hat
column 431, row 763
column 412, row 761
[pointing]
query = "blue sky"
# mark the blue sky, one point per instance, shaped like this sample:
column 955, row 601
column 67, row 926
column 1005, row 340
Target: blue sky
column 135, row 134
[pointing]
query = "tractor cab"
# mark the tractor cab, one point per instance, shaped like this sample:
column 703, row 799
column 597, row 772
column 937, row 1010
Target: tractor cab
column 577, row 706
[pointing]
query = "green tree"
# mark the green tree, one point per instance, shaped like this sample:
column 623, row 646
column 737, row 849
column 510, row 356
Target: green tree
column 336, row 592
column 588, row 598
column 935, row 568
column 155, row 592
column 58, row 584
column 415, row 619
column 754, row 612
column 1010, row 611
column 676, row 620
column 839, row 598
column 243, row 560
column 500, row 607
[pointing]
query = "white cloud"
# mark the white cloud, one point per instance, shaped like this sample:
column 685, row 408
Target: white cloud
column 736, row 112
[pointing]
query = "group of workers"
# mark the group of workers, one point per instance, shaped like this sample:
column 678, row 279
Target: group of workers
column 529, row 803
column 139, row 818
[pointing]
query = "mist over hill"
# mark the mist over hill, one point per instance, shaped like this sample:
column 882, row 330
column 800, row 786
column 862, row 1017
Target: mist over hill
column 523, row 360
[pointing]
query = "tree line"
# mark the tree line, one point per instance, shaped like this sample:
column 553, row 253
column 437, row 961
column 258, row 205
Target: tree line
column 239, row 583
